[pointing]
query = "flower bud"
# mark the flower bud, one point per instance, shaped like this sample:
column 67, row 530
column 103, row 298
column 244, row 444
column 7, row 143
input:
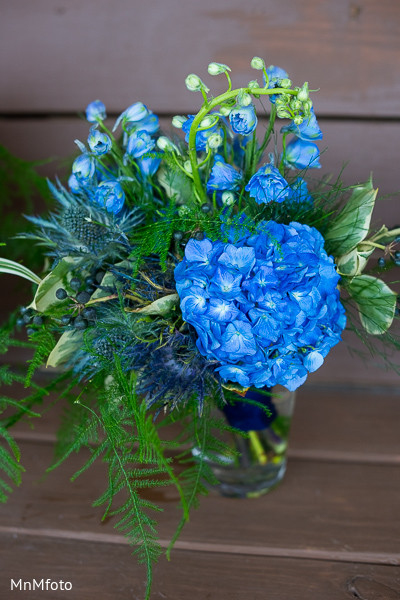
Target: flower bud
column 307, row 106
column 95, row 111
column 165, row 144
column 295, row 104
column 253, row 84
column 285, row 83
column 303, row 93
column 193, row 83
column 225, row 110
column 228, row 198
column 257, row 63
column 215, row 68
column 178, row 121
column 283, row 113
column 298, row 119
column 214, row 140
column 244, row 99
column 208, row 121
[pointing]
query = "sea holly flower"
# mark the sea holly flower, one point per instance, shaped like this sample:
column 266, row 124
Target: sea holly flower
column 266, row 308
column 243, row 119
column 133, row 114
column 84, row 168
column 99, row 142
column 96, row 111
column 223, row 176
column 111, row 196
column 139, row 142
column 307, row 131
column 267, row 185
column 302, row 155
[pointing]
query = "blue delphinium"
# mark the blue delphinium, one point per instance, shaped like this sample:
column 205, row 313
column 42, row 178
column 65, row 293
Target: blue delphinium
column 202, row 135
column 139, row 143
column 84, row 168
column 307, row 131
column 267, row 308
column 300, row 193
column 302, row 155
column 275, row 76
column 132, row 115
column 96, row 111
column 99, row 142
column 111, row 196
column 148, row 165
column 268, row 185
column 223, row 176
column 243, row 119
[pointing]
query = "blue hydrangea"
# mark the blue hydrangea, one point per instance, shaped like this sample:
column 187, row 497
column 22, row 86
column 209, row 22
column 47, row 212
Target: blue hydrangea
column 110, row 196
column 267, row 185
column 302, row 155
column 266, row 308
column 308, row 130
column 201, row 135
column 223, row 176
column 96, row 111
column 243, row 119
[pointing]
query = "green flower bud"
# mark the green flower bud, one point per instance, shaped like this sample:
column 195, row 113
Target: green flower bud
column 228, row 198
column 283, row 113
column 195, row 84
column 225, row 110
column 215, row 68
column 214, row 140
column 303, row 93
column 208, row 121
column 257, row 63
column 298, row 119
column 165, row 144
column 178, row 121
column 285, row 83
column 244, row 99
column 253, row 84
column 295, row 104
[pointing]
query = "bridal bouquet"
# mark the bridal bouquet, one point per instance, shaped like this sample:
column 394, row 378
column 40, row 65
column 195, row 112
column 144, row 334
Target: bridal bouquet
column 185, row 273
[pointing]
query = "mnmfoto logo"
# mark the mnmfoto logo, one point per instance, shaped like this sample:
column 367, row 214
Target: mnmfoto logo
column 41, row 584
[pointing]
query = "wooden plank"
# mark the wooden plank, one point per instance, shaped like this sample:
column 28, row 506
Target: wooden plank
column 58, row 56
column 320, row 507
column 108, row 572
column 359, row 425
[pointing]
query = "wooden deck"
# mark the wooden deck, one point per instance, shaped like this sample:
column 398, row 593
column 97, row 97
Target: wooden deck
column 331, row 530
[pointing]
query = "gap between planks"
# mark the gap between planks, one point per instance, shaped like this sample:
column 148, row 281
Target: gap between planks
column 381, row 558
column 367, row 458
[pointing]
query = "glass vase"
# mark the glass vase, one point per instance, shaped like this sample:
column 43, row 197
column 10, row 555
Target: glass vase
column 258, row 461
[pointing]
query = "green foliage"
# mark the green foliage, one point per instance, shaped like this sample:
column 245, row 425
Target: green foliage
column 376, row 303
column 44, row 343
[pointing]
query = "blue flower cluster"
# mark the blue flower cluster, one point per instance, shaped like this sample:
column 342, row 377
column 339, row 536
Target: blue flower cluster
column 266, row 308
column 102, row 185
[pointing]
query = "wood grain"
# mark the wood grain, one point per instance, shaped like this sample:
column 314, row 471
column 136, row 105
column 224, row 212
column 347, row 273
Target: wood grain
column 107, row 572
column 320, row 506
column 55, row 55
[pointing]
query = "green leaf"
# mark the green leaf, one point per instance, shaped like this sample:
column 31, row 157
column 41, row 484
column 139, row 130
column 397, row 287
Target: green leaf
column 385, row 235
column 376, row 303
column 354, row 262
column 14, row 268
column 67, row 345
column 161, row 306
column 175, row 184
column 46, row 293
column 351, row 226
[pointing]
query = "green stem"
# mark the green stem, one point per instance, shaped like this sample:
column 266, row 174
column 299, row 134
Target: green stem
column 205, row 109
column 272, row 118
